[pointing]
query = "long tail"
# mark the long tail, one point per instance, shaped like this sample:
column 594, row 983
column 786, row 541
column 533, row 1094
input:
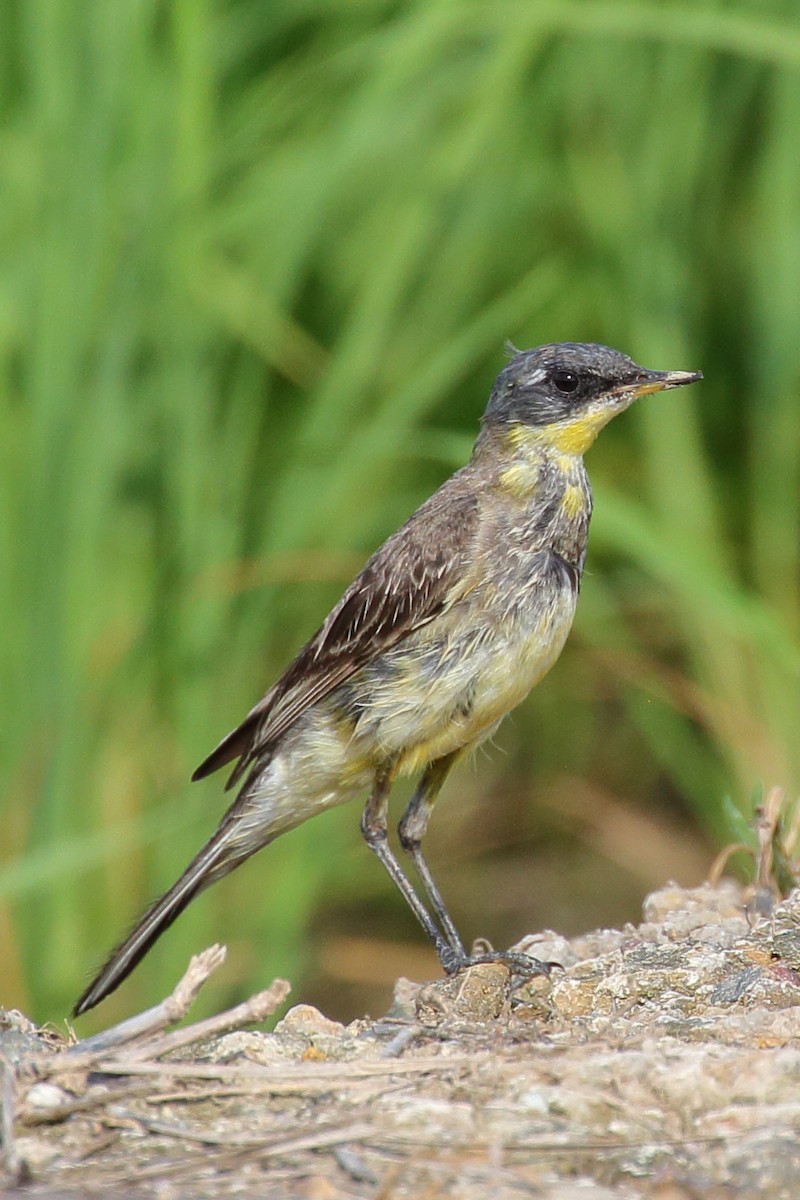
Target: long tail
column 210, row 864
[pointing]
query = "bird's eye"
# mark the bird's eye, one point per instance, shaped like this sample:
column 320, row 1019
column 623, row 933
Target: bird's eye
column 565, row 381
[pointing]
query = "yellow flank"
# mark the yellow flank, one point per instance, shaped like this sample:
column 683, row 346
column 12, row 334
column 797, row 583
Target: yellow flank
column 418, row 757
column 521, row 479
column 573, row 502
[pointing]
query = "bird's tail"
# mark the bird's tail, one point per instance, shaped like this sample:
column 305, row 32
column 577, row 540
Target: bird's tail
column 214, row 860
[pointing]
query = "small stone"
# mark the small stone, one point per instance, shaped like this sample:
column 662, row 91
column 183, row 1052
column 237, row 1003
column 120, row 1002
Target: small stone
column 246, row 1044
column 306, row 1021
column 734, row 987
column 573, row 997
column 534, row 1101
column 477, row 994
column 404, row 1000
column 694, row 907
column 35, row 1152
column 46, row 1096
column 548, row 947
column 786, row 934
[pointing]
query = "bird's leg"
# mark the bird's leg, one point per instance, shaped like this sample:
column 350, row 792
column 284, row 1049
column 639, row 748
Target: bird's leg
column 374, row 829
column 412, row 829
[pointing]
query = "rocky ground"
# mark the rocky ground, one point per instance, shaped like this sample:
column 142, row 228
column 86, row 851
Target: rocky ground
column 657, row 1061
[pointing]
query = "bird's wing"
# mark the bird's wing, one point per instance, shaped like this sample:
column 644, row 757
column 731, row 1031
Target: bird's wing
column 415, row 574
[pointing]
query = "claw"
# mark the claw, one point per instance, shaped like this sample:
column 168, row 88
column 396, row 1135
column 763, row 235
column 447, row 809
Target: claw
column 452, row 962
column 519, row 964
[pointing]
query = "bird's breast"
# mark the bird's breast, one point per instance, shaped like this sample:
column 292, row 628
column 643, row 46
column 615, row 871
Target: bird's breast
column 449, row 684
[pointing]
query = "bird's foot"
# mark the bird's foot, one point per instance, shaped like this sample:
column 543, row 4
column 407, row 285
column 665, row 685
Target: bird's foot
column 524, row 965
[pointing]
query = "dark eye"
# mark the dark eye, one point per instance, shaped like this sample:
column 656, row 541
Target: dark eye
column 565, row 381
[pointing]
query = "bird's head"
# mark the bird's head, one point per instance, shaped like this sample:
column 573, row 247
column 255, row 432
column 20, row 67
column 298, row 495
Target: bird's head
column 564, row 393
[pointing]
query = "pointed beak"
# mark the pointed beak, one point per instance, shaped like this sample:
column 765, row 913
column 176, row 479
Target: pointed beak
column 657, row 381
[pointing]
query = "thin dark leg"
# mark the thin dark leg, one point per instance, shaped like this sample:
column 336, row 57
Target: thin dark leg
column 412, row 829
column 373, row 827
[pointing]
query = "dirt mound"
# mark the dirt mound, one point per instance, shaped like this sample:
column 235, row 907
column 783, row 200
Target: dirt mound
column 656, row 1061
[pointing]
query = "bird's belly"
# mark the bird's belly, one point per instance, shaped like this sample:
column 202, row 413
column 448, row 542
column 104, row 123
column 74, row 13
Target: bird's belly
column 433, row 696
column 443, row 689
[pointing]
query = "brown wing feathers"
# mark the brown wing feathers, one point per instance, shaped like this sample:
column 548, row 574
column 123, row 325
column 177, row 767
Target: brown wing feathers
column 404, row 585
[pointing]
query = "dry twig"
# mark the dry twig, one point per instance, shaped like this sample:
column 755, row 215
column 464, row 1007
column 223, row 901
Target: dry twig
column 171, row 1010
column 252, row 1011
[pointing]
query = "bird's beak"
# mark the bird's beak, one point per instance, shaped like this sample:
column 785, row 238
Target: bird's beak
column 656, row 381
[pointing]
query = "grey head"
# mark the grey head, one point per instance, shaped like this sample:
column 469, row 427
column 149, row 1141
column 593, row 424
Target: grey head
column 566, row 381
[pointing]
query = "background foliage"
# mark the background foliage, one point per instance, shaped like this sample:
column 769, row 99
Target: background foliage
column 259, row 258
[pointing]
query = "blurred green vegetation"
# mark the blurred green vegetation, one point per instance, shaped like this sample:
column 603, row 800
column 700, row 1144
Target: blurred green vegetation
column 259, row 258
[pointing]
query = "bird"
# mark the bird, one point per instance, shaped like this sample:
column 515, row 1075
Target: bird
column 447, row 628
